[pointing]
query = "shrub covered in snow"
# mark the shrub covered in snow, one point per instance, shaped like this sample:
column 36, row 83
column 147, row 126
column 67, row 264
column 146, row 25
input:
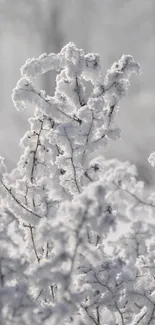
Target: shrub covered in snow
column 60, row 262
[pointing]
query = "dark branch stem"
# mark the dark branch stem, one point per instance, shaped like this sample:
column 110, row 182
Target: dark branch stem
column 18, row 202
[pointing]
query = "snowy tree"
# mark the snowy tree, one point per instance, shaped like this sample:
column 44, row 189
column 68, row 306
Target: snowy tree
column 60, row 262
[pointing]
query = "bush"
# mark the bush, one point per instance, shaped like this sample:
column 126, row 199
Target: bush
column 63, row 258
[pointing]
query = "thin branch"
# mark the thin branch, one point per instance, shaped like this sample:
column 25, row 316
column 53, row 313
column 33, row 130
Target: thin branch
column 35, row 152
column 78, row 92
column 138, row 321
column 90, row 316
column 102, row 284
column 18, row 202
column 134, row 196
column 1, row 276
column 98, row 315
column 120, row 313
column 33, row 243
column 72, row 161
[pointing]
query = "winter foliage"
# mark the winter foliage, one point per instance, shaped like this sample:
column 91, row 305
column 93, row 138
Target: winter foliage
column 63, row 258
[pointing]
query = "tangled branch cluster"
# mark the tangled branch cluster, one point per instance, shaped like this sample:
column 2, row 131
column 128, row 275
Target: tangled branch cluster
column 62, row 202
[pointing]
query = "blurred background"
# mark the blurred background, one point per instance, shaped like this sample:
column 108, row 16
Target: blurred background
column 109, row 27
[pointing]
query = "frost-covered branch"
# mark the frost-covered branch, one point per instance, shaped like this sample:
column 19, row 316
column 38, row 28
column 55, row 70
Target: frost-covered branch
column 64, row 210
